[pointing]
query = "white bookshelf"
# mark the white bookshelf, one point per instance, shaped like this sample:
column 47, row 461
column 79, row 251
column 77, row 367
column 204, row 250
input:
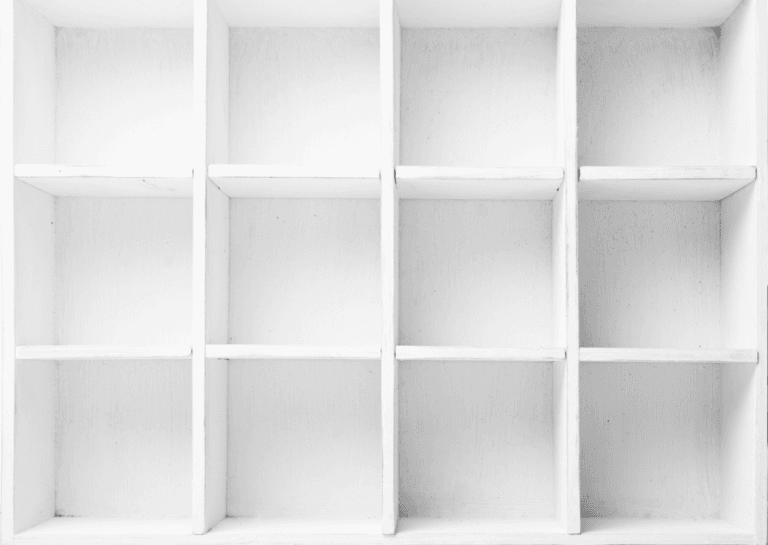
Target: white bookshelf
column 384, row 271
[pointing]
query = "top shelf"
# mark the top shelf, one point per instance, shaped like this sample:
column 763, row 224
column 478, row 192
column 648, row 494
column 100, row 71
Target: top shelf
column 465, row 14
column 116, row 14
column 655, row 13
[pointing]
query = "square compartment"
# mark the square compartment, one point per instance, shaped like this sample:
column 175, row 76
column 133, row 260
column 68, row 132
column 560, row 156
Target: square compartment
column 302, row 271
column 667, row 85
column 669, row 274
column 667, row 442
column 478, row 88
column 102, row 270
column 98, row 87
column 302, row 83
column 305, row 442
column 479, row 273
column 481, row 441
column 101, row 445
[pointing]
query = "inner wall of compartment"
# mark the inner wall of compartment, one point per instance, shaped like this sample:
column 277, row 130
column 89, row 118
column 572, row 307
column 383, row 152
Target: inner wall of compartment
column 480, row 440
column 669, row 274
column 102, row 96
column 476, row 273
column 305, row 271
column 677, row 448
column 304, row 96
column 669, row 97
column 305, row 439
column 102, row 439
column 478, row 97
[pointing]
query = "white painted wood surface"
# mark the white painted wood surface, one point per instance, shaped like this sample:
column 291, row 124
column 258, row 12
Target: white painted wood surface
column 307, row 97
column 465, row 430
column 476, row 273
column 646, row 355
column 280, row 181
column 489, row 448
column 458, row 353
column 124, row 96
column 662, row 183
column 81, row 352
column 289, row 352
column 533, row 183
column 478, row 98
column 650, row 275
column 304, row 272
column 128, row 181
column 306, row 440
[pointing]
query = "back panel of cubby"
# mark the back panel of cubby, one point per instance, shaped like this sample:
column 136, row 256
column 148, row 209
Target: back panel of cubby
column 478, row 97
column 304, row 96
column 679, row 448
column 477, row 440
column 304, row 271
column 123, row 96
column 669, row 274
column 99, row 438
column 304, row 439
column 476, row 273
column 664, row 96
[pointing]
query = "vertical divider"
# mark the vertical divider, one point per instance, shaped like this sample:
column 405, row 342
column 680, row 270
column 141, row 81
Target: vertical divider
column 761, row 448
column 210, row 269
column 390, row 143
column 7, row 274
column 567, row 78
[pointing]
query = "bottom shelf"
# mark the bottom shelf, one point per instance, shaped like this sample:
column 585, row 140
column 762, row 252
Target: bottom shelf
column 598, row 531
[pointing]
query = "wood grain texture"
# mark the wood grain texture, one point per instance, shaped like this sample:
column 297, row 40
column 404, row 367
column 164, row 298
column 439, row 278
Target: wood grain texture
column 124, row 429
column 466, row 433
column 478, row 98
column 308, row 441
column 648, row 97
column 304, row 272
column 663, row 183
column 123, row 96
column 128, row 181
column 304, row 96
column 650, row 274
column 467, row 354
column 286, row 181
column 534, row 183
column 476, row 273
column 123, row 271
column 651, row 448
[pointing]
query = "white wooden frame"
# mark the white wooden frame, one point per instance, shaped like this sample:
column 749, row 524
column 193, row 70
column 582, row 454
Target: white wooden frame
column 211, row 181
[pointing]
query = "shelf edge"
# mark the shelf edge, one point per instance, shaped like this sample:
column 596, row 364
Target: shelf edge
column 457, row 353
column 96, row 352
column 662, row 355
column 291, row 352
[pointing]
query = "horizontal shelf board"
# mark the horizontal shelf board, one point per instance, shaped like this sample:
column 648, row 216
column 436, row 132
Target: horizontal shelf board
column 413, row 526
column 107, row 181
column 107, row 526
column 518, row 183
column 301, row 13
column 255, row 526
column 664, row 355
column 462, row 14
column 296, row 182
column 95, row 352
column 655, row 13
column 662, row 183
column 291, row 352
column 460, row 353
column 663, row 531
column 100, row 14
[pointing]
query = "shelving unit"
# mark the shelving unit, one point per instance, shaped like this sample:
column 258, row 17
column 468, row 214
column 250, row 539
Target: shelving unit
column 370, row 271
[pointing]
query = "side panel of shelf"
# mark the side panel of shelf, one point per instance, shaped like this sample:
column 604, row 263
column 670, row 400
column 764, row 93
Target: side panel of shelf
column 211, row 268
column 390, row 148
column 569, row 307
